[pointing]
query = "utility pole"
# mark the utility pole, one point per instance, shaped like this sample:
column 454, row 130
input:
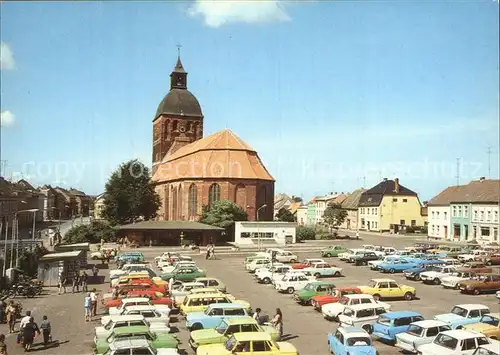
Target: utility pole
column 489, row 152
column 458, row 172
column 364, row 182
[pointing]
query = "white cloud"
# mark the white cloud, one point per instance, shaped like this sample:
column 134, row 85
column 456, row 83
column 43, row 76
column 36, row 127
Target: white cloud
column 7, row 119
column 7, row 61
column 220, row 12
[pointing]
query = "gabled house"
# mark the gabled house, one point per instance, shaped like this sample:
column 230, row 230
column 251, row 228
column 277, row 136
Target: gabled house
column 281, row 201
column 350, row 205
column 83, row 202
column 389, row 206
column 67, row 204
column 98, row 206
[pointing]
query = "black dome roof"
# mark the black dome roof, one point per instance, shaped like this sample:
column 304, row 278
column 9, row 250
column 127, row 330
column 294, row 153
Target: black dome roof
column 179, row 102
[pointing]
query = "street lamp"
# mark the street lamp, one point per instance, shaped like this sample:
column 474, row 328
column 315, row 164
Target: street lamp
column 258, row 232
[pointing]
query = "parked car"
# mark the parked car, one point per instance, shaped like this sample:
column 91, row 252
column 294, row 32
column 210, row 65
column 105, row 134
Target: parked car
column 331, row 311
column 257, row 263
column 388, row 288
column 474, row 255
column 332, row 296
column 480, row 284
column 212, row 316
column 284, row 256
column 333, row 250
column 324, row 270
column 489, row 325
column 436, row 275
column 414, row 273
column 292, row 282
column 249, row 342
column 398, row 266
column 307, row 263
column 116, row 322
column 137, row 346
column 488, row 349
column 364, row 257
column 477, row 267
column 463, row 314
column 137, row 301
column 391, row 323
column 347, row 254
column 158, row 340
column 420, row 333
column 201, row 301
column 155, row 298
column 312, row 289
column 226, row 328
column 178, row 265
column 266, row 276
column 268, row 267
column 454, row 342
column 279, row 277
column 493, row 259
column 453, row 280
column 151, row 314
column 178, row 295
column 184, row 274
column 357, row 254
column 351, row 340
column 361, row 315
column 212, row 282
column 387, row 259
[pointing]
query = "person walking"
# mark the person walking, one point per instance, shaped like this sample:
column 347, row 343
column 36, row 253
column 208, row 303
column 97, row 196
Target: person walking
column 277, row 322
column 357, row 234
column 76, row 282
column 3, row 346
column 46, row 331
column 87, row 304
column 85, row 280
column 25, row 320
column 93, row 298
column 11, row 314
column 170, row 285
column 95, row 271
column 62, row 283
column 29, row 331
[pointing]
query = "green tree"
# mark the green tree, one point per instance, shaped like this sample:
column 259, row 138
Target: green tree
column 223, row 214
column 130, row 195
column 305, row 233
column 334, row 216
column 285, row 215
column 90, row 233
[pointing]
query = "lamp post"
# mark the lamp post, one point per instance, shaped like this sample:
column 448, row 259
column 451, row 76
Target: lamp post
column 258, row 232
column 34, row 211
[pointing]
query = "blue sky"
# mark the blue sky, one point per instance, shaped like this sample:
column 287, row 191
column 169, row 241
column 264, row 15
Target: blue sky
column 332, row 94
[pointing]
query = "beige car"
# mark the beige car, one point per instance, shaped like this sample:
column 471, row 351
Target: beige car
column 212, row 282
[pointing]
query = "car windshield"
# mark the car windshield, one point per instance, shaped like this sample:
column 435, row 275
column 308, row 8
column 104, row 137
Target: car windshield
column 483, row 351
column 384, row 320
column 344, row 301
column 208, row 310
column 459, row 311
column 309, row 287
column 230, row 343
column 446, row 341
column 490, row 320
column 221, row 328
column 359, row 341
column 415, row 330
column 372, row 284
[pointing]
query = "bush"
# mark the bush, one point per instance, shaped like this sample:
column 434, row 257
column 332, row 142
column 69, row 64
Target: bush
column 305, row 233
column 91, row 233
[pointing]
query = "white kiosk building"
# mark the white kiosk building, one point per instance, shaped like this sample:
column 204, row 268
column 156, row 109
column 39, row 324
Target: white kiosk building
column 264, row 233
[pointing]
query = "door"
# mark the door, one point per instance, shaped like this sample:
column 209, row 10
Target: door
column 445, row 232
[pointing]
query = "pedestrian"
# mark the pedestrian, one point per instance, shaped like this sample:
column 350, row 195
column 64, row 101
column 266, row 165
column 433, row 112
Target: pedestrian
column 29, row 331
column 46, row 331
column 76, row 282
column 25, row 320
column 116, row 293
column 208, row 252
column 87, row 303
column 93, row 297
column 170, row 285
column 62, row 283
column 3, row 346
column 256, row 315
column 357, row 234
column 277, row 322
column 85, row 280
column 11, row 314
column 95, row 270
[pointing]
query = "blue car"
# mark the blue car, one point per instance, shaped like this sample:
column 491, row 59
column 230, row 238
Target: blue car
column 213, row 315
column 352, row 341
column 428, row 265
column 392, row 323
column 399, row 266
column 463, row 314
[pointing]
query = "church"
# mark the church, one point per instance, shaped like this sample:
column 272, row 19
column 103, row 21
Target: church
column 191, row 171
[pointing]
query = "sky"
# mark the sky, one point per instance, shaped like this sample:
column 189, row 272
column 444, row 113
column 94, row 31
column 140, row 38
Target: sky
column 333, row 95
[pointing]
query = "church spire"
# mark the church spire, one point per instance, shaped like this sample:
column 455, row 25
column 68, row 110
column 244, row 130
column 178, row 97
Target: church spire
column 178, row 77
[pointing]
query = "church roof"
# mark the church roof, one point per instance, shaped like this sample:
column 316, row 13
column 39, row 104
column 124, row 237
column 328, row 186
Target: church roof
column 179, row 102
column 222, row 155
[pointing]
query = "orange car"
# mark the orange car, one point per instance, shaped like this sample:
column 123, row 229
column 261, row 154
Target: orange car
column 155, row 297
column 332, row 296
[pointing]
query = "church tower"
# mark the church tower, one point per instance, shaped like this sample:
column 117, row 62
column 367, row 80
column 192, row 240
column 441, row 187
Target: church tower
column 178, row 120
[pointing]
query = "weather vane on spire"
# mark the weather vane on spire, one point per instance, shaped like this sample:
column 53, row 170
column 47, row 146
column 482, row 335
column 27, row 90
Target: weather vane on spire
column 179, row 46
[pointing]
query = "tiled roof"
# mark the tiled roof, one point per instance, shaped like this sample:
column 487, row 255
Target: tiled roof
column 339, row 199
column 374, row 196
column 222, row 155
column 477, row 191
column 352, row 200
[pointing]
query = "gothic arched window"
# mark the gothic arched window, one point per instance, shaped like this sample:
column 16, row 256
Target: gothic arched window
column 175, row 212
column 193, row 201
column 213, row 194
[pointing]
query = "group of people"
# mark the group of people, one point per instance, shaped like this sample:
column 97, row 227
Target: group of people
column 276, row 321
column 78, row 279
column 28, row 329
column 210, row 252
column 90, row 305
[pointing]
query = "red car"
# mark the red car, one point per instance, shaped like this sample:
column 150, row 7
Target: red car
column 140, row 285
column 155, row 297
column 306, row 263
column 332, row 296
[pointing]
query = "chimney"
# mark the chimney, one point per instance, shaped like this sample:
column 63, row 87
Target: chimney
column 482, row 178
column 385, row 179
column 396, row 185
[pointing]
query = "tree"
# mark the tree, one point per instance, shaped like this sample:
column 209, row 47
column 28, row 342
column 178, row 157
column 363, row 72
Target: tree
column 129, row 195
column 305, row 233
column 297, row 199
column 334, row 216
column 223, row 214
column 285, row 215
column 91, row 233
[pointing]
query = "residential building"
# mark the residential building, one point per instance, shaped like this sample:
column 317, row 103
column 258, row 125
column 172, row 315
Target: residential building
column 323, row 202
column 67, row 204
column 302, row 215
column 98, row 206
column 49, row 202
column 282, row 201
column 350, row 204
column 31, row 200
column 439, row 213
column 82, row 200
column 389, row 206
column 311, row 211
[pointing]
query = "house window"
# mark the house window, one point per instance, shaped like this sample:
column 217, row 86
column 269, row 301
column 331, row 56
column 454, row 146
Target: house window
column 193, row 201
column 466, row 211
column 445, row 215
column 466, row 231
column 475, row 215
column 367, row 211
column 413, row 223
column 474, row 232
column 495, row 233
column 437, row 215
column 481, row 216
column 405, row 200
column 496, row 216
column 456, row 230
column 488, row 216
column 437, row 229
column 213, row 194
column 394, row 200
column 433, row 213
column 454, row 211
column 433, row 229
column 402, row 222
column 485, row 231
column 459, row 211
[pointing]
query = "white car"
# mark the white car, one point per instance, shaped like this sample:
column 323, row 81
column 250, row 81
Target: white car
column 178, row 295
column 137, row 345
column 453, row 280
column 451, row 262
column 127, row 268
column 137, row 301
column 168, row 269
column 497, row 295
column 292, row 282
column 388, row 250
column 361, row 315
column 331, row 311
column 489, row 349
column 475, row 255
column 284, row 256
column 373, row 264
column 151, row 313
column 267, row 268
column 420, row 333
column 258, row 263
column 267, row 276
column 128, row 321
column 345, row 256
column 454, row 342
column 278, row 277
column 436, row 276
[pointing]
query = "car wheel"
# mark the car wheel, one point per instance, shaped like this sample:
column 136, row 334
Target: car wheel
column 376, row 297
column 290, row 290
column 328, row 255
column 488, row 263
column 417, row 278
column 267, row 280
column 317, row 275
column 94, row 258
column 392, row 271
column 293, row 261
column 196, row 326
column 476, row 291
column 365, row 263
column 368, row 328
column 408, row 296
column 336, row 274
column 456, row 287
column 459, row 327
column 437, row 281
